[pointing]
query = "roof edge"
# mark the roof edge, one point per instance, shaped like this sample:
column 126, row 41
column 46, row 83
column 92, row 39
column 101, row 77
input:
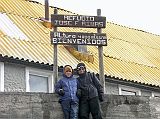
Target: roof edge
column 60, row 69
column 122, row 81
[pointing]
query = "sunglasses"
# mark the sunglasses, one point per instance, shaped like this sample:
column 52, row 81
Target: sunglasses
column 80, row 68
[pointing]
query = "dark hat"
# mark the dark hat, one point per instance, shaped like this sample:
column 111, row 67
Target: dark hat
column 81, row 64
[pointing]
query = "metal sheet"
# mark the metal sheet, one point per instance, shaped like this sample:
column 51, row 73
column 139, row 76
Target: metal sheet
column 131, row 54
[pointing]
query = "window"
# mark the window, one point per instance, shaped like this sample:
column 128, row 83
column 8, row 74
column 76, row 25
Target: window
column 39, row 80
column 81, row 48
column 154, row 94
column 38, row 83
column 126, row 90
column 1, row 77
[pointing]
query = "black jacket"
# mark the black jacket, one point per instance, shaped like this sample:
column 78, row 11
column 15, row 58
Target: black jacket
column 90, row 87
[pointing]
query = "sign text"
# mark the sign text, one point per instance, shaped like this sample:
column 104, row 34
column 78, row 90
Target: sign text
column 78, row 21
column 78, row 38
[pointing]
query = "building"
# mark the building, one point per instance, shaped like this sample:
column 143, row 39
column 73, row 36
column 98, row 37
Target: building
column 131, row 59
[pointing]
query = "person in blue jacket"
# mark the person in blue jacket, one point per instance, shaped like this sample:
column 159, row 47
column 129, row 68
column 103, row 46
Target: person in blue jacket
column 66, row 87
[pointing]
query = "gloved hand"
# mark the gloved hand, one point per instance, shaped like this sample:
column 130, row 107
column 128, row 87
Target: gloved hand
column 61, row 92
column 101, row 98
column 78, row 93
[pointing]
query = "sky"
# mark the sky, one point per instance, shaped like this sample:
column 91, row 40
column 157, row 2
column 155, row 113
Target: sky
column 139, row 14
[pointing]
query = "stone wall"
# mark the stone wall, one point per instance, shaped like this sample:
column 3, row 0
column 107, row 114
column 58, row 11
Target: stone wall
column 131, row 107
column 45, row 106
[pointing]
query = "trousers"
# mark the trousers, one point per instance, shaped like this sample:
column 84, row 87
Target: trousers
column 70, row 109
column 87, row 106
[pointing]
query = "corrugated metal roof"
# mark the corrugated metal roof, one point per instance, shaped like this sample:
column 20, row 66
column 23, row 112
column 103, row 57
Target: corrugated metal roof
column 131, row 54
column 8, row 27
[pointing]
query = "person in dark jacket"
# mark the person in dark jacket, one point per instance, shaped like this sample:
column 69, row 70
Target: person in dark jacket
column 66, row 87
column 91, row 93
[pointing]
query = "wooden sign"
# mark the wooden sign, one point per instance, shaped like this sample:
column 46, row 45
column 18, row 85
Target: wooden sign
column 78, row 38
column 78, row 21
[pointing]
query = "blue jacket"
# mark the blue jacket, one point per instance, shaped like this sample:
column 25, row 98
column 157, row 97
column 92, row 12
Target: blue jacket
column 69, row 85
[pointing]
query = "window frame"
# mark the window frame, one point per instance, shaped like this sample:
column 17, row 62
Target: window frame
column 1, row 77
column 43, row 73
column 129, row 89
column 155, row 94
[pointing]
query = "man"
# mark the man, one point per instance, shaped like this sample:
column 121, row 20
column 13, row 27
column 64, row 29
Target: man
column 91, row 93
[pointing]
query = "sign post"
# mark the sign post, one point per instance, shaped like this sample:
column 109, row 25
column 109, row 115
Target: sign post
column 55, row 65
column 100, row 53
column 77, row 38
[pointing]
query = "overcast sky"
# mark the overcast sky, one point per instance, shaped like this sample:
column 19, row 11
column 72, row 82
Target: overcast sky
column 138, row 14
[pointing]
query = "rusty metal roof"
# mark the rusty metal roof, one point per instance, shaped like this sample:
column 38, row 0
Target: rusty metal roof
column 131, row 54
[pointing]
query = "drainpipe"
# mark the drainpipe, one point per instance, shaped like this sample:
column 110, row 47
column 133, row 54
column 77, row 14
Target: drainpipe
column 46, row 10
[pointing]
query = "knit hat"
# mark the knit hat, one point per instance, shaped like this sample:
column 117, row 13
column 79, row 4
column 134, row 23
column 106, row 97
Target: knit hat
column 81, row 64
column 67, row 68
